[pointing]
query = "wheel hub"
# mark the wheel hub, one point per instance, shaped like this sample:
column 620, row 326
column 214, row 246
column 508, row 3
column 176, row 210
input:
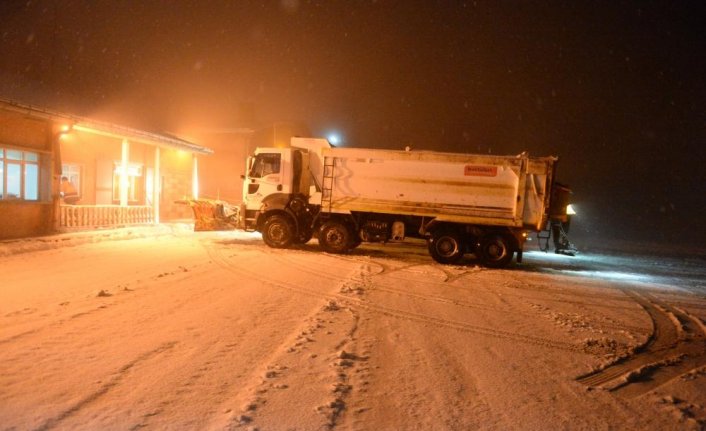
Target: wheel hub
column 496, row 251
column 333, row 237
column 277, row 233
column 446, row 247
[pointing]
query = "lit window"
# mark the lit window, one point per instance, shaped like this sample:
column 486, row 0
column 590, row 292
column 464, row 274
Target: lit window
column 19, row 174
column 134, row 182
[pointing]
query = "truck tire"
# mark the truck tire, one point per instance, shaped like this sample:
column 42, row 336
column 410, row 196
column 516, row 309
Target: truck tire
column 446, row 247
column 495, row 251
column 278, row 232
column 335, row 237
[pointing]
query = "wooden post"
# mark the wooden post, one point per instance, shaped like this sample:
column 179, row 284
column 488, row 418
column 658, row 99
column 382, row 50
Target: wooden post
column 156, row 182
column 124, row 181
column 195, row 178
column 55, row 137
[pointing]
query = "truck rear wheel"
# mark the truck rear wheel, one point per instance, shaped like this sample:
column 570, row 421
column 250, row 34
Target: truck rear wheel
column 446, row 247
column 335, row 237
column 278, row 232
column 495, row 251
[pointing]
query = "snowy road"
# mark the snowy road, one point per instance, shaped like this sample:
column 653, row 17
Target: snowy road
column 217, row 331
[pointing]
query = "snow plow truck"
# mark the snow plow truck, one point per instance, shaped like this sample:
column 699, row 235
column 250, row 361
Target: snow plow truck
column 460, row 203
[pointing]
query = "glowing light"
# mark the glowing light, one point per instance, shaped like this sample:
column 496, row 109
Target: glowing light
column 570, row 210
column 334, row 138
column 64, row 130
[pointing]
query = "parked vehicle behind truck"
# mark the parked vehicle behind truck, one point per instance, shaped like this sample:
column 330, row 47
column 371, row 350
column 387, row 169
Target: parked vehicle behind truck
column 459, row 203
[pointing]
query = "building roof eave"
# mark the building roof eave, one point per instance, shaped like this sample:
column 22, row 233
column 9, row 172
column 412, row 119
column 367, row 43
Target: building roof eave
column 104, row 128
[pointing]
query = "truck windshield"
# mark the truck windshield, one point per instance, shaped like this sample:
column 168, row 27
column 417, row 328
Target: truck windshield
column 265, row 164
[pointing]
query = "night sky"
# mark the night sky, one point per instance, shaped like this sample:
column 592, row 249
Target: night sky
column 615, row 89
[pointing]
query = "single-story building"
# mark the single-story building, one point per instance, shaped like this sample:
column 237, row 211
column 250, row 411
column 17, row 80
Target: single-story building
column 61, row 172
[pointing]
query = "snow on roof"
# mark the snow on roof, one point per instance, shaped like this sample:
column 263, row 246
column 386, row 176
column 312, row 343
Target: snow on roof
column 104, row 128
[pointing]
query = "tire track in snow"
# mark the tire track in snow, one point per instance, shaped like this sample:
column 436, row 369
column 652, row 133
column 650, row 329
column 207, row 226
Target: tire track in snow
column 676, row 346
column 600, row 297
column 593, row 315
column 409, row 315
column 387, row 269
column 86, row 309
column 380, row 287
column 700, row 306
column 449, row 278
column 315, row 357
column 117, row 378
column 275, row 379
column 392, row 312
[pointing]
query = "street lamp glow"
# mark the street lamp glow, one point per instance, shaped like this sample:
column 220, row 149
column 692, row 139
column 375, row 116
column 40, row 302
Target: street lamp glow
column 334, row 138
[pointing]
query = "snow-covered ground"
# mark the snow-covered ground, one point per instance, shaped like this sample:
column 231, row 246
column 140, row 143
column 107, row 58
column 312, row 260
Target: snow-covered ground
column 166, row 328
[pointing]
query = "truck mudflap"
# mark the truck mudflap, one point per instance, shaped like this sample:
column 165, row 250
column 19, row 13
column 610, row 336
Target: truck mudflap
column 214, row 214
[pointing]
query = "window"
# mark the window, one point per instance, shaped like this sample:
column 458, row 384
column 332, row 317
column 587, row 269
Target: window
column 19, row 174
column 31, row 183
column 134, row 182
column 265, row 164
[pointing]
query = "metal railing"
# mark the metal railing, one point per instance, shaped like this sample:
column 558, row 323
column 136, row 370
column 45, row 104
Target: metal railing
column 91, row 216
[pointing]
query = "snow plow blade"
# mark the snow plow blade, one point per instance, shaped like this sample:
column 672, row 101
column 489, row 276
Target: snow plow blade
column 213, row 214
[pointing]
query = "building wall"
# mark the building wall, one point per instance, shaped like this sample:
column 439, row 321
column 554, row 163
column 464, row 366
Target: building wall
column 20, row 218
column 219, row 173
column 176, row 172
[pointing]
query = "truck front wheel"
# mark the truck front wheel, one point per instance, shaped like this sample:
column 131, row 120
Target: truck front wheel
column 334, row 237
column 495, row 251
column 446, row 247
column 278, row 232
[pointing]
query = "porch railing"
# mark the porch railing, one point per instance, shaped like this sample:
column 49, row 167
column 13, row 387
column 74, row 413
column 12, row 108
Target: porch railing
column 90, row 216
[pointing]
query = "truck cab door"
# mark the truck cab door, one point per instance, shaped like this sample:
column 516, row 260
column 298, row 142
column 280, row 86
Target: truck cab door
column 266, row 176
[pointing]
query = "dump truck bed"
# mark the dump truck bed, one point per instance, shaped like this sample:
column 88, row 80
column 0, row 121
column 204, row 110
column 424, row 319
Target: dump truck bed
column 476, row 189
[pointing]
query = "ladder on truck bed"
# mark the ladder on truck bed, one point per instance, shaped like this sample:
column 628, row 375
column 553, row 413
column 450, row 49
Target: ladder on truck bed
column 327, row 185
